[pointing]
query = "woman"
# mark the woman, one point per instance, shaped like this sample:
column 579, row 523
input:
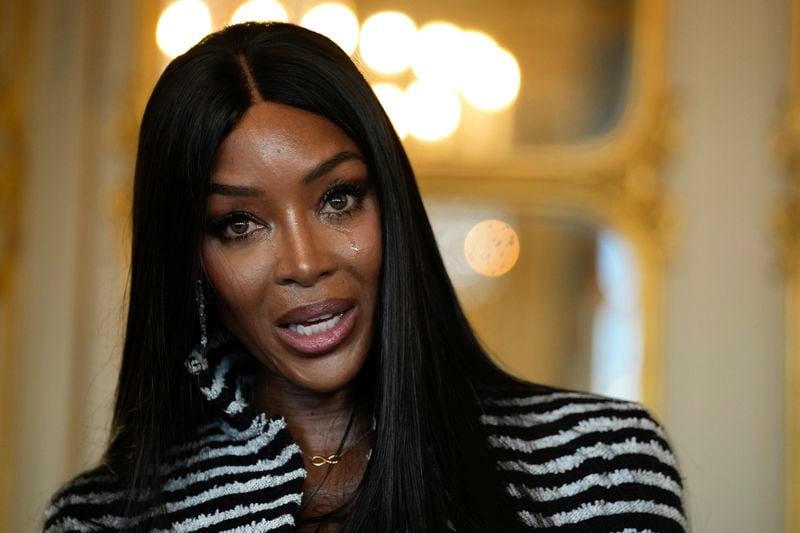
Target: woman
column 336, row 384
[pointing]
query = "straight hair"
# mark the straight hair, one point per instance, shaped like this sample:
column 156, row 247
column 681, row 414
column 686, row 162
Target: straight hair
column 431, row 463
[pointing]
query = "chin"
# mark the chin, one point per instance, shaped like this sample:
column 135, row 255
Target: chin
column 329, row 376
column 319, row 375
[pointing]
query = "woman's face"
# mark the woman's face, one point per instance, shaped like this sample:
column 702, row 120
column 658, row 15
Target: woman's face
column 293, row 245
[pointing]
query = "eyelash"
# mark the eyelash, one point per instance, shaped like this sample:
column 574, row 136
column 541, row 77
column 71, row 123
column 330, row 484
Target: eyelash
column 348, row 189
column 219, row 225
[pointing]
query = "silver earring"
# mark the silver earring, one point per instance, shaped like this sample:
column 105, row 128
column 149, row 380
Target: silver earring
column 201, row 312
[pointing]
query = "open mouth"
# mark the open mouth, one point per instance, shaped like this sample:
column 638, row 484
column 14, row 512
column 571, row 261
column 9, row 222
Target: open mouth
column 318, row 325
column 320, row 334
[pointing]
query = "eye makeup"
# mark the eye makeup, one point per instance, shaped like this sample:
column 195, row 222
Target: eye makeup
column 354, row 194
column 225, row 227
column 238, row 225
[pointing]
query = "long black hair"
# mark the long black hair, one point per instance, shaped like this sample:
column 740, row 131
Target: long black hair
column 431, row 462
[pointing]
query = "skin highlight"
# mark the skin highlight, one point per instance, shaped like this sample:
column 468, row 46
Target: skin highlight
column 293, row 220
column 426, row 372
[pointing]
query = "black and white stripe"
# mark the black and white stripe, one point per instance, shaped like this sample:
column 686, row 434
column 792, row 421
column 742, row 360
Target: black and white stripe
column 571, row 461
column 581, row 462
column 224, row 484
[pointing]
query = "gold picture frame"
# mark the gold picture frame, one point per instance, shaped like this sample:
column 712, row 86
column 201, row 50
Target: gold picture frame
column 14, row 47
column 788, row 229
column 614, row 179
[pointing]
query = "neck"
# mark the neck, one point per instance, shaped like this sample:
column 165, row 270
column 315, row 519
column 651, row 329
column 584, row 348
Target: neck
column 316, row 420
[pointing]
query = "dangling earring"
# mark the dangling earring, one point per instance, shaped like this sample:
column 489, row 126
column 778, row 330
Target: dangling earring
column 200, row 298
column 198, row 360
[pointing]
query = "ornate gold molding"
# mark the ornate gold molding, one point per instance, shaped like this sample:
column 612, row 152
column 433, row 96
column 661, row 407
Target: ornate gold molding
column 10, row 172
column 614, row 180
column 628, row 197
column 14, row 47
column 788, row 232
column 787, row 220
column 622, row 143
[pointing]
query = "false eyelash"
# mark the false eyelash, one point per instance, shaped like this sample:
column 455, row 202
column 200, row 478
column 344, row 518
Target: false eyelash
column 355, row 190
column 217, row 225
column 343, row 187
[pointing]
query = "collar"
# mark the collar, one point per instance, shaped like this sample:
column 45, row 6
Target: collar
column 248, row 459
column 225, row 374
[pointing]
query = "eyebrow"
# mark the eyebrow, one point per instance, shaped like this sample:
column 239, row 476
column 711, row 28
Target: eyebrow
column 313, row 175
column 234, row 190
column 328, row 165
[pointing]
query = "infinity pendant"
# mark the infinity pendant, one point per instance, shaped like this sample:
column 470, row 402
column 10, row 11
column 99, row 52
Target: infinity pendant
column 320, row 460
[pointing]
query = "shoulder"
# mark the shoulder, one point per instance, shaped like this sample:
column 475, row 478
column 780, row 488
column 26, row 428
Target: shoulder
column 80, row 503
column 98, row 499
column 221, row 475
column 574, row 459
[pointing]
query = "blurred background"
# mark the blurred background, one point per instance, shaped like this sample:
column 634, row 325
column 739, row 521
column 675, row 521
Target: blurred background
column 613, row 185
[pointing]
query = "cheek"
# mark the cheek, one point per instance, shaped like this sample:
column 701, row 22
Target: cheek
column 236, row 278
column 366, row 252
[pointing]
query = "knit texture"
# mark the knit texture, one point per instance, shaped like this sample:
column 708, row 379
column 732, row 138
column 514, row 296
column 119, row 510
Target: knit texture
column 571, row 461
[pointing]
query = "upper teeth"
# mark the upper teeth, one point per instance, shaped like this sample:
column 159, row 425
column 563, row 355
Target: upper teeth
column 324, row 323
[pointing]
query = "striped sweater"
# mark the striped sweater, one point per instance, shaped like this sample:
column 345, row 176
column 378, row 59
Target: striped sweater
column 572, row 461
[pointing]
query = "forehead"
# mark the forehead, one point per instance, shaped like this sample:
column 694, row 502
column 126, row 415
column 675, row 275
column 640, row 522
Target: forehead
column 276, row 134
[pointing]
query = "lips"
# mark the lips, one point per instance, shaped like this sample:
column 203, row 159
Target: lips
column 317, row 328
column 307, row 313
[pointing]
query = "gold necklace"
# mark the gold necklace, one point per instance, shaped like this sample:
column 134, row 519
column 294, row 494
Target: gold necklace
column 334, row 458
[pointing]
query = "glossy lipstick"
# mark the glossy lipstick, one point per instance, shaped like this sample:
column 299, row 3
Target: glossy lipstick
column 297, row 328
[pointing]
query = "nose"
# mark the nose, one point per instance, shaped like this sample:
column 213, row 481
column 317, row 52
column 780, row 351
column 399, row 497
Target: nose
column 304, row 253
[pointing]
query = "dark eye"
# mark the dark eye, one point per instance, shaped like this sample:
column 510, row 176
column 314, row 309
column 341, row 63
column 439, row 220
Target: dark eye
column 338, row 201
column 234, row 226
column 342, row 198
column 240, row 227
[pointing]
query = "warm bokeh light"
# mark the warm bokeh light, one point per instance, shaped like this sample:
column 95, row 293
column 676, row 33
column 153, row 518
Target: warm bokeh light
column 490, row 77
column 491, row 248
column 436, row 53
column 260, row 11
column 181, row 25
column 434, row 110
column 386, row 41
column 336, row 21
column 393, row 100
